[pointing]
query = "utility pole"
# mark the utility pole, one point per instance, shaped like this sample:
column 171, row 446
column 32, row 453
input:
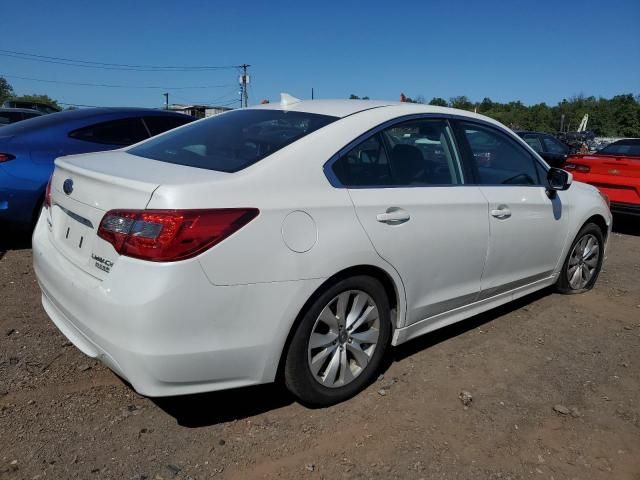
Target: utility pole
column 244, row 81
column 311, row 93
column 166, row 101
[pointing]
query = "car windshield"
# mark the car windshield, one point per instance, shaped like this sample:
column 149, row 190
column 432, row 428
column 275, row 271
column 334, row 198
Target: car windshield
column 232, row 141
column 624, row 147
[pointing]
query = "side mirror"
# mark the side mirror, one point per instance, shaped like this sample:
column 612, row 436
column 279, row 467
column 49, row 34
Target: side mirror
column 559, row 179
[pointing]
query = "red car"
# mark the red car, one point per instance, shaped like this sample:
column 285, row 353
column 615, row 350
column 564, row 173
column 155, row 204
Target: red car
column 615, row 170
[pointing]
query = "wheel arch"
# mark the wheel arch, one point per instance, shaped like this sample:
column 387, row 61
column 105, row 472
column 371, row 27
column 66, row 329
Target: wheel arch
column 600, row 222
column 394, row 291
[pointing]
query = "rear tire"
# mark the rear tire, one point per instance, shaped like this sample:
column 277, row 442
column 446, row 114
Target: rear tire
column 337, row 347
column 583, row 263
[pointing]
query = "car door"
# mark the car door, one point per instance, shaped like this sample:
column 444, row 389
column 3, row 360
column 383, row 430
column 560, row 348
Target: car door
column 408, row 187
column 528, row 225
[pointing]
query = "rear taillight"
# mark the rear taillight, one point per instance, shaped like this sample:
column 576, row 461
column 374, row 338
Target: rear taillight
column 5, row 157
column 577, row 167
column 47, row 194
column 171, row 235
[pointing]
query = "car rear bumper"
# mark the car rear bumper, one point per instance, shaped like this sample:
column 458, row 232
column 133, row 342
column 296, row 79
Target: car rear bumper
column 17, row 199
column 620, row 190
column 625, row 208
column 164, row 327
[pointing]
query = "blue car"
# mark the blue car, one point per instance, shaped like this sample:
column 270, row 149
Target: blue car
column 28, row 149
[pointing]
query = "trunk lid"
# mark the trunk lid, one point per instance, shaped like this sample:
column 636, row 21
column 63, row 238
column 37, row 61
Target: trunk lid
column 617, row 166
column 616, row 176
column 85, row 187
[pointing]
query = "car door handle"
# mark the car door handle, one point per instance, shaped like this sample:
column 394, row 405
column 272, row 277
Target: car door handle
column 393, row 216
column 502, row 212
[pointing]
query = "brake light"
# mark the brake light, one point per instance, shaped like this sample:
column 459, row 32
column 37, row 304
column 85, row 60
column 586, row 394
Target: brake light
column 47, row 194
column 171, row 235
column 577, row 167
column 5, row 157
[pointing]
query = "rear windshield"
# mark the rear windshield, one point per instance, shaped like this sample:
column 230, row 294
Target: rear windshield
column 622, row 147
column 232, row 141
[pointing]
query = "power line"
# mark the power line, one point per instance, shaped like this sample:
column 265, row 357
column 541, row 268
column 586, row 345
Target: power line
column 107, row 85
column 111, row 66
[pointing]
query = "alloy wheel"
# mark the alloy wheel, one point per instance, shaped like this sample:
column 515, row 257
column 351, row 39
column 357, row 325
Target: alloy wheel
column 343, row 338
column 583, row 262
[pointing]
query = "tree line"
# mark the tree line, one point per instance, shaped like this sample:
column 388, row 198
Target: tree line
column 7, row 92
column 608, row 117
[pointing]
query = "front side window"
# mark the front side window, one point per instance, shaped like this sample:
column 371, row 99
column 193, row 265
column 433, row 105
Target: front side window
column 413, row 153
column 498, row 159
column 116, row 132
column 232, row 141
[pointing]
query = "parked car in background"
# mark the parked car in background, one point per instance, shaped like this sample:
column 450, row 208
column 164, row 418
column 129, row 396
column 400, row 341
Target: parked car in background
column 12, row 115
column 44, row 108
column 304, row 238
column 615, row 170
column 552, row 150
column 28, row 149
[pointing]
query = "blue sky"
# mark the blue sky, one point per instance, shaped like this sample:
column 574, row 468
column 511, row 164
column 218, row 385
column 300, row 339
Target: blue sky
column 534, row 51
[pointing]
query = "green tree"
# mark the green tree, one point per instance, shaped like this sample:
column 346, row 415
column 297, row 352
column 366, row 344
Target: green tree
column 461, row 102
column 46, row 99
column 438, row 102
column 6, row 90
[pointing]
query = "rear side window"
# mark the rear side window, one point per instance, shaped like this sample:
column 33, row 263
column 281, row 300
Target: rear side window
column 116, row 132
column 364, row 165
column 623, row 147
column 10, row 117
column 413, row 153
column 534, row 142
column 161, row 124
column 498, row 159
column 232, row 141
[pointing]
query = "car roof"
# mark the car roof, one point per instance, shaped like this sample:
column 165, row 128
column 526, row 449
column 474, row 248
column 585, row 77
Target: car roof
column 522, row 132
column 344, row 107
column 626, row 141
column 78, row 118
column 80, row 113
column 335, row 108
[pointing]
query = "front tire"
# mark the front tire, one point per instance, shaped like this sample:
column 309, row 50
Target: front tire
column 584, row 261
column 337, row 347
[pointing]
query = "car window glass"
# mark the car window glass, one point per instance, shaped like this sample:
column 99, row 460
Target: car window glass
column 421, row 153
column 499, row 160
column 117, row 132
column 9, row 117
column 364, row 165
column 625, row 147
column 232, row 141
column 554, row 146
column 534, row 142
column 161, row 124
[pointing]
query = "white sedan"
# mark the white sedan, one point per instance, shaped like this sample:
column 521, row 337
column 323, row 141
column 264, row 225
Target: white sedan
column 299, row 240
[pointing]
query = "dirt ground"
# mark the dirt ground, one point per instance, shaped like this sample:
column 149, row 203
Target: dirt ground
column 62, row 415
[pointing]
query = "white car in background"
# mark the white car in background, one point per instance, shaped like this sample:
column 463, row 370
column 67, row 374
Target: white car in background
column 302, row 239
